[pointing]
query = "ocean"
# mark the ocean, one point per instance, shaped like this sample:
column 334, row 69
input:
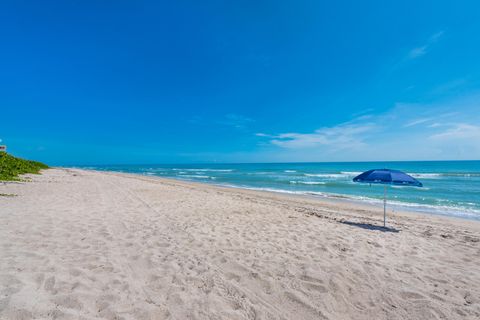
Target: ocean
column 449, row 187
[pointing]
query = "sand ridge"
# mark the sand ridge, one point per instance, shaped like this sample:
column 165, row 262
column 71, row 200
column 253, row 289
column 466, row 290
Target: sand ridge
column 78, row 244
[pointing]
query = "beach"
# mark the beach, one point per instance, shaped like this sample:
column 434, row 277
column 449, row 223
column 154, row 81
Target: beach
column 84, row 244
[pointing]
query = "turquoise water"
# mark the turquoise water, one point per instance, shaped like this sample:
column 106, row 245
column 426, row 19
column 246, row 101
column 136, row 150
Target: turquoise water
column 450, row 187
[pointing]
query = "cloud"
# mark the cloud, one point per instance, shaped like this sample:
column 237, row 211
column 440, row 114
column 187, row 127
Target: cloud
column 416, row 122
column 459, row 131
column 457, row 141
column 437, row 117
column 417, row 52
column 345, row 135
column 364, row 112
column 420, row 51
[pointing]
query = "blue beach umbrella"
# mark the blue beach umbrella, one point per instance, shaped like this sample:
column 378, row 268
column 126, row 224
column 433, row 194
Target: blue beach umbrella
column 387, row 177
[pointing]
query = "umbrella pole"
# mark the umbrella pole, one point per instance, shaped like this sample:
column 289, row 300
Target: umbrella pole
column 384, row 206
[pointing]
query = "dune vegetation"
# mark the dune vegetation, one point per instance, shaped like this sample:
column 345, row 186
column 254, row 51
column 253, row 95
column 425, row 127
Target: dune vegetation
column 11, row 167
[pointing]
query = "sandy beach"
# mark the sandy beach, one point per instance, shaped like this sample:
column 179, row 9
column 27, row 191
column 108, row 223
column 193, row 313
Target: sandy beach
column 78, row 244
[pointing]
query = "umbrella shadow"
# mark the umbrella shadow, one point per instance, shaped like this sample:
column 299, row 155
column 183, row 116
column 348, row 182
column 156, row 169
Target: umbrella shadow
column 369, row 226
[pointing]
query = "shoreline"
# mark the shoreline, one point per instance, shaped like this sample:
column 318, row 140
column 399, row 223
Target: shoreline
column 345, row 199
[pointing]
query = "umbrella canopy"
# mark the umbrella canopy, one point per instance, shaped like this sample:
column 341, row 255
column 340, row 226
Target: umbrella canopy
column 387, row 176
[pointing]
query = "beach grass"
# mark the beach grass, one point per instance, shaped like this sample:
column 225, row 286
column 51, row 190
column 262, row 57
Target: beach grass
column 11, row 167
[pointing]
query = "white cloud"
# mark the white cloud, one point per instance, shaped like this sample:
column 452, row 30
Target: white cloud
column 346, row 135
column 435, row 120
column 422, row 50
column 436, row 36
column 457, row 141
column 459, row 131
column 364, row 112
column 415, row 122
column 417, row 52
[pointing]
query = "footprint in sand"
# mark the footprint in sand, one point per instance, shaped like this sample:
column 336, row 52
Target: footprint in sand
column 50, row 285
column 68, row 301
column 409, row 295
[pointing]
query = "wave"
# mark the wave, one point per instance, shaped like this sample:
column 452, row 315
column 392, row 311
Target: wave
column 409, row 187
column 203, row 170
column 426, row 175
column 351, row 173
column 258, row 172
column 325, row 175
column 447, row 210
column 289, row 171
column 341, row 174
column 445, row 174
column 196, row 176
column 467, row 175
column 307, row 182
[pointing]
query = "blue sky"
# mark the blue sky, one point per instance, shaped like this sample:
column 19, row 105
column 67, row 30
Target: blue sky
column 105, row 82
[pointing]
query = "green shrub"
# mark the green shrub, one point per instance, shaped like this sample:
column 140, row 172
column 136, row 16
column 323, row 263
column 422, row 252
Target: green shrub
column 11, row 167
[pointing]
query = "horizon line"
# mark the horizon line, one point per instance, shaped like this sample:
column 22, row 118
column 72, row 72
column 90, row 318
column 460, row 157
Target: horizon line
column 240, row 163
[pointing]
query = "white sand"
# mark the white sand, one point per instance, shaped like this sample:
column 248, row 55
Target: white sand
column 86, row 245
